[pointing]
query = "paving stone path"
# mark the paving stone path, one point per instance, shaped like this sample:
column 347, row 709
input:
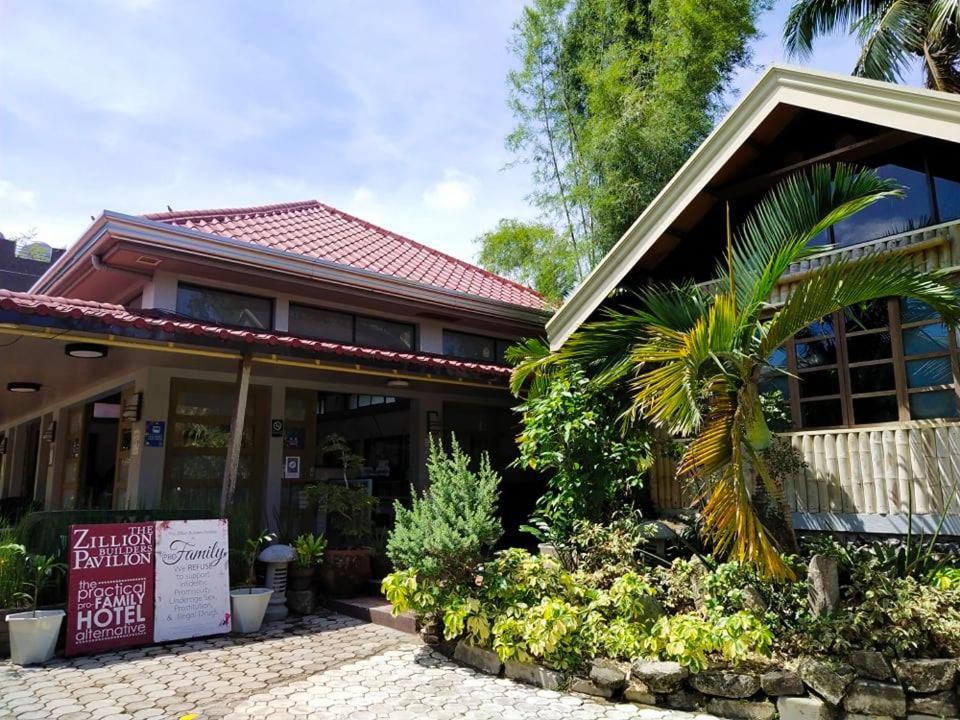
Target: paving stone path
column 322, row 667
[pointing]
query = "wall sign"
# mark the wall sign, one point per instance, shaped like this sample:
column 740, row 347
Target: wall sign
column 110, row 586
column 291, row 467
column 154, row 433
column 192, row 579
column 276, row 427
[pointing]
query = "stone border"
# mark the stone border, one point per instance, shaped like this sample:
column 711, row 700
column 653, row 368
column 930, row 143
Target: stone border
column 868, row 687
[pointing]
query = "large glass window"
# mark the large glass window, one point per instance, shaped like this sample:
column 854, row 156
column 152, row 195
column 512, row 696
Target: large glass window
column 346, row 328
column 878, row 362
column 225, row 307
column 321, row 324
column 892, row 215
column 474, row 347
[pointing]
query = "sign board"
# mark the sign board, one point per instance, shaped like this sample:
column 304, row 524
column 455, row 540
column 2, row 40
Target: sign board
column 110, row 586
column 291, row 467
column 154, row 433
column 276, row 427
column 192, row 579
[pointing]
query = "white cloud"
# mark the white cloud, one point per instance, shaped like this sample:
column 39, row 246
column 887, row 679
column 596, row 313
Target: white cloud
column 10, row 194
column 456, row 191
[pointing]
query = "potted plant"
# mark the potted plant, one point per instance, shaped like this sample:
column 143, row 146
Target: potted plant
column 34, row 633
column 248, row 603
column 309, row 549
column 346, row 562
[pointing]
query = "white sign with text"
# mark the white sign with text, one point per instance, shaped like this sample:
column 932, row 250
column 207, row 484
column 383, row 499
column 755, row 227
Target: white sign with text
column 192, row 587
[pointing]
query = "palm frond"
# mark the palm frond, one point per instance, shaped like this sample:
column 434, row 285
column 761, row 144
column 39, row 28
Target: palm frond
column 712, row 448
column 669, row 393
column 809, row 18
column 889, row 37
column 529, row 358
column 944, row 19
column 604, row 346
column 841, row 284
column 777, row 233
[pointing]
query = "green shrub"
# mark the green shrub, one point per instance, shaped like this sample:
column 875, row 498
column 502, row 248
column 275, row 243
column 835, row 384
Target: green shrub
column 13, row 571
column 690, row 639
column 572, row 431
column 452, row 527
column 604, row 552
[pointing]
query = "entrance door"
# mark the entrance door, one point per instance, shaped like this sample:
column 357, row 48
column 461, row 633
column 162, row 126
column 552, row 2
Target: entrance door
column 200, row 414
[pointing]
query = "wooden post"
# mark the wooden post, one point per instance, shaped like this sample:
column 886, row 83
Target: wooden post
column 232, row 461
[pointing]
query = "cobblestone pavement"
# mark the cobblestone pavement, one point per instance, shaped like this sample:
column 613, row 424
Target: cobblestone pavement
column 321, row 667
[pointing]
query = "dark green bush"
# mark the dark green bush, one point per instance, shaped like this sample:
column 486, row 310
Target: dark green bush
column 452, row 526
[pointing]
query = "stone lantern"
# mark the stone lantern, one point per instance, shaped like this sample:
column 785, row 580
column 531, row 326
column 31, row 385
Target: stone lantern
column 276, row 558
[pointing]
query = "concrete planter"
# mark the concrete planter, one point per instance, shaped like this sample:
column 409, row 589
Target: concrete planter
column 300, row 578
column 247, row 607
column 33, row 636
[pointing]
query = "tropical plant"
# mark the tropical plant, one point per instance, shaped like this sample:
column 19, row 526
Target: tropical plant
column 39, row 572
column 338, row 446
column 892, row 34
column 451, row 527
column 571, row 433
column 309, row 549
column 248, row 556
column 693, row 359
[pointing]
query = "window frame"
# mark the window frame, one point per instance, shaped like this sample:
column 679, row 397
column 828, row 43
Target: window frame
column 236, row 293
column 497, row 359
column 897, row 358
column 415, row 330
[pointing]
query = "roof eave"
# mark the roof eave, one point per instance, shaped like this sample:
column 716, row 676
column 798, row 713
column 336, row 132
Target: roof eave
column 916, row 110
column 160, row 234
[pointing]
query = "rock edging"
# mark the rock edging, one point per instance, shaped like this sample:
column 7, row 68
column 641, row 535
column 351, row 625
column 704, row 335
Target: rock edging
column 819, row 690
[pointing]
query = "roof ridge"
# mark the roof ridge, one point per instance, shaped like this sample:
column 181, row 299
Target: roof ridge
column 216, row 212
column 432, row 250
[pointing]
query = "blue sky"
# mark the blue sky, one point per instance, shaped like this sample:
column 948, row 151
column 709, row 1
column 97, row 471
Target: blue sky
column 393, row 111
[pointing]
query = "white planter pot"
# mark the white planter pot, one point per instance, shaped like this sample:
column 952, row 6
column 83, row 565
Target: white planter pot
column 33, row 638
column 247, row 606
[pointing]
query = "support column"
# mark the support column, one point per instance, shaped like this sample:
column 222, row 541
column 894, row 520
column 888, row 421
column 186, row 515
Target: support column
column 232, row 461
column 274, row 485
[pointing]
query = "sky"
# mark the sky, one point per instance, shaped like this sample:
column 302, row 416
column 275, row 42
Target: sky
column 395, row 112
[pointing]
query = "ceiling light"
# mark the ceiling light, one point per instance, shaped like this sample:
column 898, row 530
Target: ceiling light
column 23, row 387
column 398, row 383
column 86, row 350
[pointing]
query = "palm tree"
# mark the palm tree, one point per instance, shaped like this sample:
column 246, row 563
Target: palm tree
column 692, row 360
column 892, row 33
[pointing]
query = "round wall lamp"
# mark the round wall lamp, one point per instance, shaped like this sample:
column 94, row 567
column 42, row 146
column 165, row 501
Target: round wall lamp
column 85, row 350
column 23, row 387
column 398, row 383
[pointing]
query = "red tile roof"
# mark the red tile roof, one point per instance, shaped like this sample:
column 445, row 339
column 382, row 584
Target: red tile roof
column 117, row 316
column 316, row 230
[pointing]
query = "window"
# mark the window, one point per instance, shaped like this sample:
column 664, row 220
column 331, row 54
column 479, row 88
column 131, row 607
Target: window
column 928, row 361
column 225, row 307
column 891, row 215
column 346, row 328
column 474, row 347
column 322, row 324
column 878, row 362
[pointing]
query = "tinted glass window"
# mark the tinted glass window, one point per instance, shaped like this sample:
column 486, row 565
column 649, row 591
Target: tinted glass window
column 224, row 307
column 323, row 324
column 940, row 404
column 866, row 316
column 925, row 339
column 890, row 216
column 816, row 353
column 872, row 378
column 933, row 371
column 915, row 311
column 861, row 348
column 819, row 382
column 474, row 347
column 875, row 409
column 821, row 413
column 384, row 334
